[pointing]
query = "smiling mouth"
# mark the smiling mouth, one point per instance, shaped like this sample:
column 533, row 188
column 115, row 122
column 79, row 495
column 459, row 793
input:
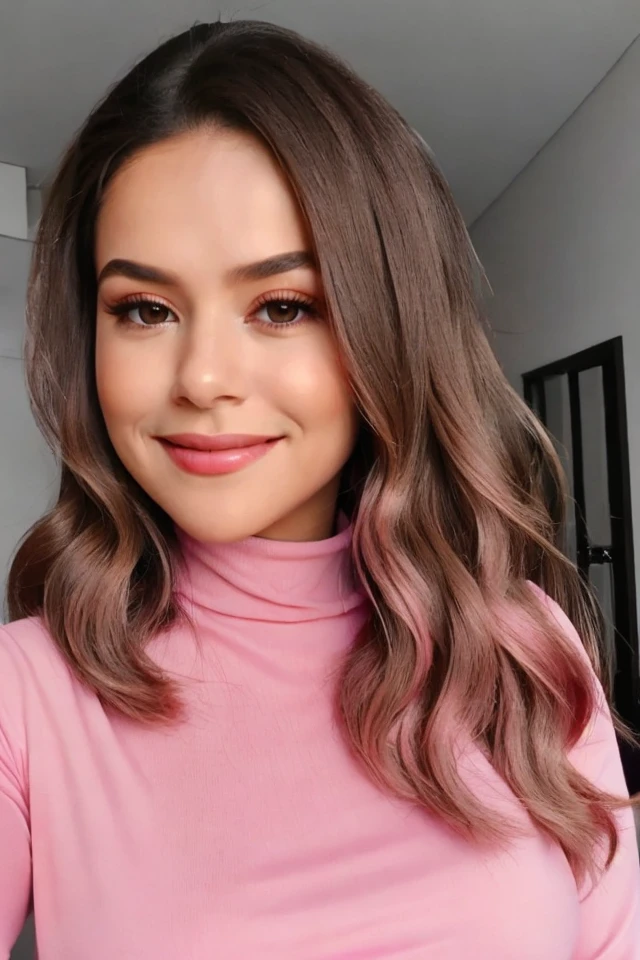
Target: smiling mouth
column 220, row 441
column 213, row 456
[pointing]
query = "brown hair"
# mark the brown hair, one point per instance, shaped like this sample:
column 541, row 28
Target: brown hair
column 448, row 487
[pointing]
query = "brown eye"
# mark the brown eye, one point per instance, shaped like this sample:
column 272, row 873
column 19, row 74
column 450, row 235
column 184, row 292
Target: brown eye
column 142, row 313
column 150, row 313
column 282, row 311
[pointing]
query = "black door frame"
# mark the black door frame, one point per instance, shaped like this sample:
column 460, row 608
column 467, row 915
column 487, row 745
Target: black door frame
column 608, row 355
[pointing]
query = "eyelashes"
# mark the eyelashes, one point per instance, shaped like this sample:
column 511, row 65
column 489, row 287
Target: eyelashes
column 154, row 309
column 282, row 306
column 274, row 311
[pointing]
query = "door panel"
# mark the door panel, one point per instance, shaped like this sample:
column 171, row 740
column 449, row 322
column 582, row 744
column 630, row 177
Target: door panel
column 581, row 400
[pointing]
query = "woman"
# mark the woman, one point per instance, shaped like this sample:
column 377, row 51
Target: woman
column 291, row 671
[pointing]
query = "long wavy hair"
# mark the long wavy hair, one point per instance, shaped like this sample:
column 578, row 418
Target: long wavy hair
column 454, row 489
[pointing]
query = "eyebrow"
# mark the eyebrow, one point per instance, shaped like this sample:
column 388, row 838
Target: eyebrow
column 272, row 266
column 261, row 270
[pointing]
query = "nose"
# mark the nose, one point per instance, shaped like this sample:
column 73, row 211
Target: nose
column 211, row 364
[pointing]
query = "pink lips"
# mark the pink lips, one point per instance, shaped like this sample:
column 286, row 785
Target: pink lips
column 212, row 456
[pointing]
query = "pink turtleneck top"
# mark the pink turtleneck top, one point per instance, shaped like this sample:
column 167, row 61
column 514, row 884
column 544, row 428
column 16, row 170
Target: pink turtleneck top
column 248, row 831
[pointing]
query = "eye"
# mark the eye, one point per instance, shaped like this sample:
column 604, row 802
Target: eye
column 281, row 311
column 284, row 311
column 143, row 313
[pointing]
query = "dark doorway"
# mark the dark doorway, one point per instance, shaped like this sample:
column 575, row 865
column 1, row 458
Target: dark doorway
column 581, row 400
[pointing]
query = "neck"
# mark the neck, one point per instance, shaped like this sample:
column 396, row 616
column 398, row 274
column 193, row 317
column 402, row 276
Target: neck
column 321, row 523
column 275, row 581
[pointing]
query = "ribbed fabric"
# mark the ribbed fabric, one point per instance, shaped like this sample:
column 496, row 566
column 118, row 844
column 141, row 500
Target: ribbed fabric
column 248, row 831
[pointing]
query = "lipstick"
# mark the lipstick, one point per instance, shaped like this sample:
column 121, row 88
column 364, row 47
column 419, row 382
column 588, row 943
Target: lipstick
column 215, row 455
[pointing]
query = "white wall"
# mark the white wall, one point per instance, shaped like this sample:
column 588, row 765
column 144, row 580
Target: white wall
column 27, row 469
column 561, row 246
column 27, row 477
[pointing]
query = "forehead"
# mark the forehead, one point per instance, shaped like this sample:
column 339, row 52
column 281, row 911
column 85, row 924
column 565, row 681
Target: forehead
column 211, row 193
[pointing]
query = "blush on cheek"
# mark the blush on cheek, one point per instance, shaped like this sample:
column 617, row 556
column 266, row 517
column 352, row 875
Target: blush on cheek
column 129, row 388
column 313, row 383
column 114, row 395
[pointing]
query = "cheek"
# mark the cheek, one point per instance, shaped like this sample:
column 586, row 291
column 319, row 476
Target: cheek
column 127, row 390
column 314, row 390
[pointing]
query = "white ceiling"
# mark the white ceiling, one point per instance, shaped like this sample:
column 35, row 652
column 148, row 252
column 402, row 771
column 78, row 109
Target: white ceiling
column 486, row 82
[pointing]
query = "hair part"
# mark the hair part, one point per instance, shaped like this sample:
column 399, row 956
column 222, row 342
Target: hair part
column 448, row 487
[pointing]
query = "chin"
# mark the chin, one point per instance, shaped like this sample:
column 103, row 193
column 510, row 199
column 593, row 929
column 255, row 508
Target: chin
column 228, row 529
column 218, row 532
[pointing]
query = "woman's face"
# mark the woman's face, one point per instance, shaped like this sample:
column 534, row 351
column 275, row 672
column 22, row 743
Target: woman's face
column 211, row 323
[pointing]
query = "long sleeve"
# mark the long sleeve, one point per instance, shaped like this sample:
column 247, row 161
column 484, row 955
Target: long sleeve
column 610, row 911
column 15, row 845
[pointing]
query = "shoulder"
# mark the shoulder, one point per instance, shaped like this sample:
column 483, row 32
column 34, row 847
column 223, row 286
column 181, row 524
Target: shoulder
column 27, row 648
column 561, row 622
column 19, row 643
column 596, row 753
column 531, row 617
column 546, row 641
column 555, row 611
column 41, row 702
column 33, row 675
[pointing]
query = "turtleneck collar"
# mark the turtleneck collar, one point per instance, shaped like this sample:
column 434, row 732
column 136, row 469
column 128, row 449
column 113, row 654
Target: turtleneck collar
column 272, row 580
